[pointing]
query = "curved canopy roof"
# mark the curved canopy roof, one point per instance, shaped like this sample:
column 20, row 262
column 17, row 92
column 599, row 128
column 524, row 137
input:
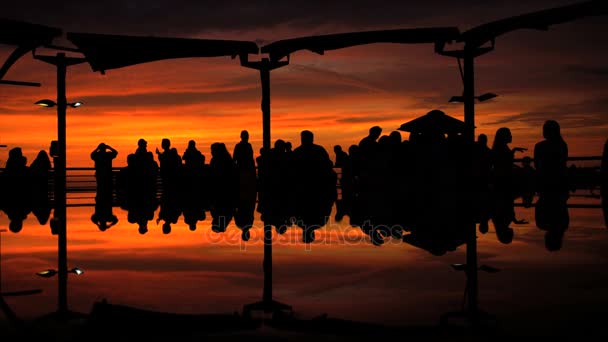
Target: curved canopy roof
column 25, row 36
column 105, row 52
column 322, row 43
column 540, row 20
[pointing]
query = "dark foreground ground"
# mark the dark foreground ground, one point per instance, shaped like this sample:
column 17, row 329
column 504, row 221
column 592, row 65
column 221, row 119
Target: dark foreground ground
column 108, row 322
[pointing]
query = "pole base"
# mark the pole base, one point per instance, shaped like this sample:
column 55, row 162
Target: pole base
column 268, row 306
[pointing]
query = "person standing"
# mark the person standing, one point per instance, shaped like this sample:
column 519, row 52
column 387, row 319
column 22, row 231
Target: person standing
column 103, row 156
column 550, row 162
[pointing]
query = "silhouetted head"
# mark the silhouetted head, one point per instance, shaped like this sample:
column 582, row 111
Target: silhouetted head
column 551, row 130
column 166, row 228
column 15, row 226
column 482, row 139
column 288, row 146
column 395, row 137
column 244, row 136
column 165, row 143
column 143, row 228
column 503, row 137
column 375, row 132
column 307, row 137
column 42, row 155
column 101, row 146
column 353, row 150
column 279, row 145
column 15, row 152
column 505, row 235
column 526, row 161
column 191, row 144
column 337, row 148
column 141, row 143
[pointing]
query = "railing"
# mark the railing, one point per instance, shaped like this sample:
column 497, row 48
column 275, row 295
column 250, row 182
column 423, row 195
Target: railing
column 81, row 184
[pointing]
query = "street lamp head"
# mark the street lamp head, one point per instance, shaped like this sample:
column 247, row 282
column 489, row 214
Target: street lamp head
column 46, row 103
column 47, row 273
column 486, row 96
column 459, row 267
column 456, row 99
column 76, row 271
column 75, row 104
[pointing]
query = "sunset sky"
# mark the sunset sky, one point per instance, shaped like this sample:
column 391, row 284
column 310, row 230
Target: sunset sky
column 559, row 74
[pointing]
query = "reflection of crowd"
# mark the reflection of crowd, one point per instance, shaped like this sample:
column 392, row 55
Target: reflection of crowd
column 425, row 186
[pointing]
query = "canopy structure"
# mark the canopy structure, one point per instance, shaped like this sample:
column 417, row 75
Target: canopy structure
column 322, row 43
column 26, row 37
column 104, row 52
column 540, row 20
column 434, row 121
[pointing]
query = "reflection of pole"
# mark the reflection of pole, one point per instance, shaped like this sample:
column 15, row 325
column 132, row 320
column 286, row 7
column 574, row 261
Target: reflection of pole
column 265, row 79
column 469, row 120
column 264, row 66
column 61, row 62
column 60, row 186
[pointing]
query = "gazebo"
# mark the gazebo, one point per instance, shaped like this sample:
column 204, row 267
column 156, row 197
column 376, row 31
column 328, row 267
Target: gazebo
column 433, row 123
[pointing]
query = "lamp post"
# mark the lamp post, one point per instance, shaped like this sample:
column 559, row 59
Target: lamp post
column 59, row 220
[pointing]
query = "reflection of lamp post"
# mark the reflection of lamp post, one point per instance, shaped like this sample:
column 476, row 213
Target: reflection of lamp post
column 52, row 272
column 465, row 309
column 61, row 62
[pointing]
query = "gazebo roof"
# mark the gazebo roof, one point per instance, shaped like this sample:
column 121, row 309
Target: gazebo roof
column 434, row 121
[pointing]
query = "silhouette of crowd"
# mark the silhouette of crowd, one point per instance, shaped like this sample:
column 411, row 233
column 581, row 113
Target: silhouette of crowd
column 433, row 186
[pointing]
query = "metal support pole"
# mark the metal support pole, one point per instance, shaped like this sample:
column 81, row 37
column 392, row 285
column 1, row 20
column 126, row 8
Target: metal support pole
column 60, row 186
column 265, row 79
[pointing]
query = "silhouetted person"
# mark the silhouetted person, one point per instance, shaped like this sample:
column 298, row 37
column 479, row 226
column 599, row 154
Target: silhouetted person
column 103, row 217
column 481, row 177
column 16, row 188
column 604, row 182
column 142, row 155
column 40, row 174
column 170, row 163
column 103, row 156
column 138, row 187
column 246, row 173
column 193, row 189
column 550, row 161
column 503, row 194
column 314, row 185
column 192, row 156
column 223, row 188
column 170, row 210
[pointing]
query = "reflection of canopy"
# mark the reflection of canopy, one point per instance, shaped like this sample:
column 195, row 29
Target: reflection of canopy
column 105, row 52
column 434, row 121
column 319, row 44
column 540, row 20
column 25, row 36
